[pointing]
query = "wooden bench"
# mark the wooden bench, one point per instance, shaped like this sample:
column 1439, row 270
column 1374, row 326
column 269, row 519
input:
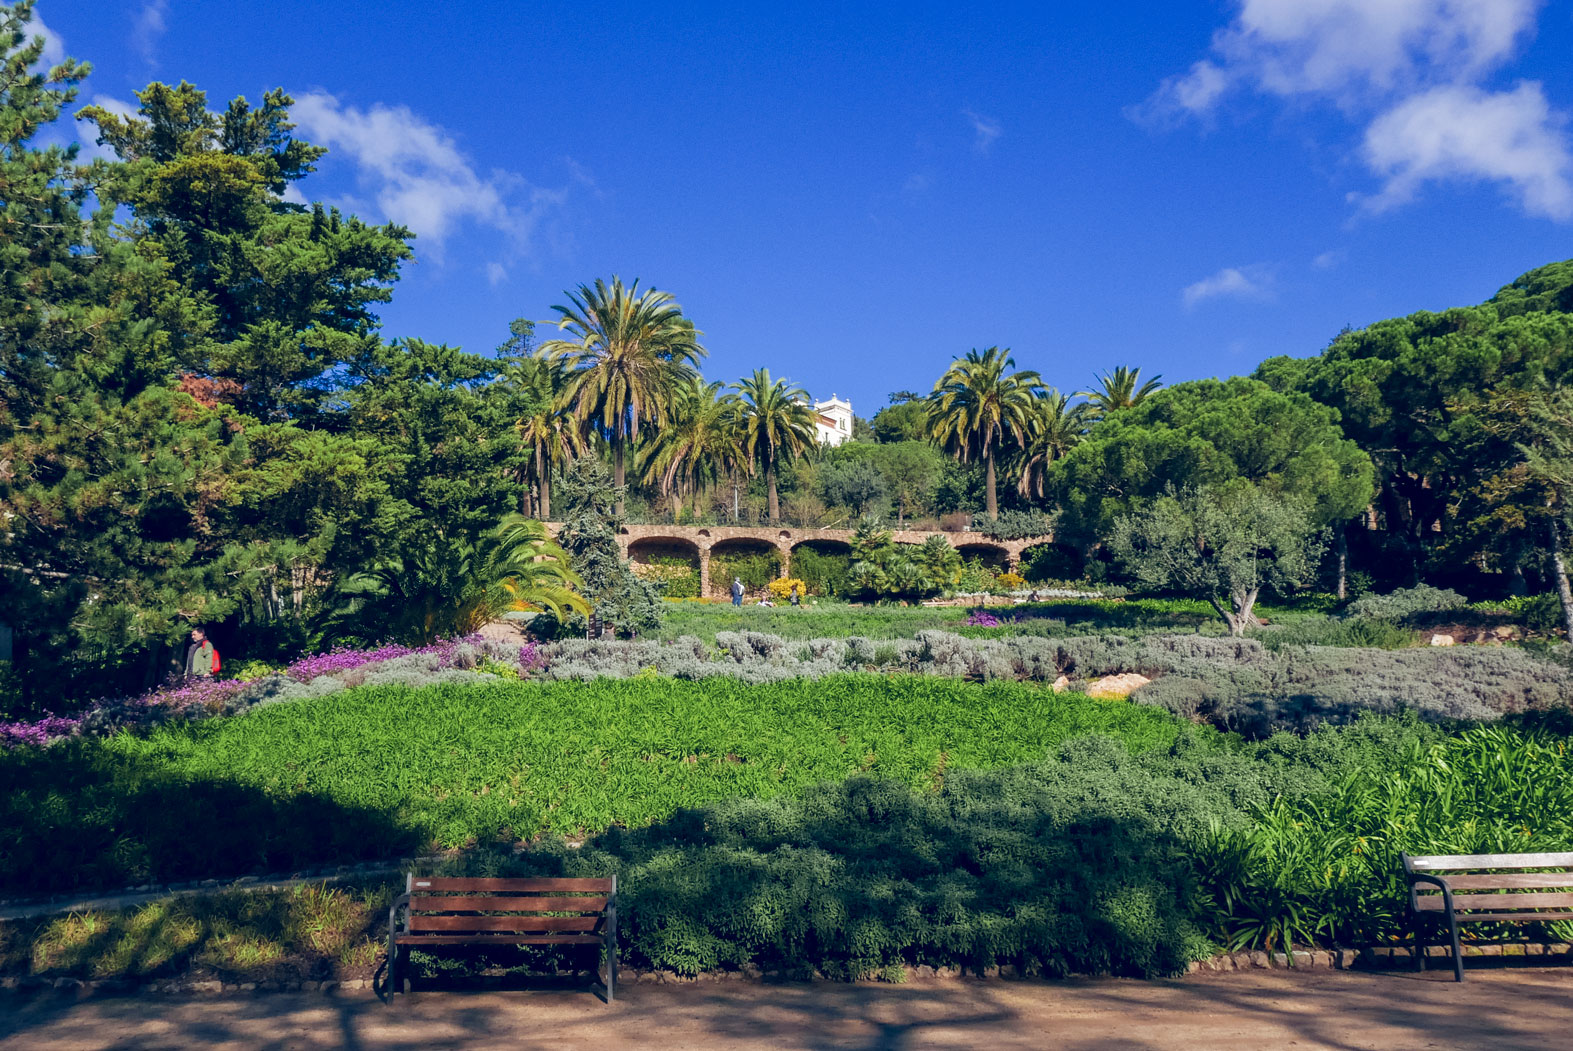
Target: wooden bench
column 1499, row 888
column 442, row 910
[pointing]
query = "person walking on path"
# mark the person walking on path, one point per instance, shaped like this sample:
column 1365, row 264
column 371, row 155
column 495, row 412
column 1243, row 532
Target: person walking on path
column 737, row 591
column 199, row 656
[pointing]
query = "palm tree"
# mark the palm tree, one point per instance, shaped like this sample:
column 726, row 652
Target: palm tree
column 1054, row 429
column 629, row 352
column 1119, row 391
column 549, row 432
column 776, row 425
column 700, row 441
column 978, row 405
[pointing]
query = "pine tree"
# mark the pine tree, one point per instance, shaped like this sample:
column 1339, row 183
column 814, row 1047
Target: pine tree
column 589, row 535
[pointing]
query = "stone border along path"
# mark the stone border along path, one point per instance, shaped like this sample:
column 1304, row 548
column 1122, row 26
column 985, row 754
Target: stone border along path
column 1300, row 962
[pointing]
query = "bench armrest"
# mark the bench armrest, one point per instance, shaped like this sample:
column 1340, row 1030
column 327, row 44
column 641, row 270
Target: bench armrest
column 402, row 901
column 1435, row 881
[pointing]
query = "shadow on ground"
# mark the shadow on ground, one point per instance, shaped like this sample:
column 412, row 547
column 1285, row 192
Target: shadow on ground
column 1526, row 1011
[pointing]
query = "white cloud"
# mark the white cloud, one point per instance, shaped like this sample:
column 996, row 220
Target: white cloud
column 1349, row 50
column 147, row 29
column 916, row 185
column 1327, row 260
column 1468, row 134
column 418, row 176
column 1419, row 66
column 984, row 130
column 88, row 131
column 1249, row 282
column 496, row 274
column 54, row 43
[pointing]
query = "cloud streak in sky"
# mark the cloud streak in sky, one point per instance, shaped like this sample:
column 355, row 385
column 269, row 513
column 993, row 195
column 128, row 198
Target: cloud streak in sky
column 418, row 176
column 1249, row 282
column 1411, row 71
column 984, row 130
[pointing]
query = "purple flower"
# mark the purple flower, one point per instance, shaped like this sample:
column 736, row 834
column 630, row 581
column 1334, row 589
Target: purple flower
column 979, row 619
column 199, row 697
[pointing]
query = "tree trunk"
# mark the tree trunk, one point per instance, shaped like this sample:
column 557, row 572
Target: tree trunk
column 1341, row 542
column 901, row 513
column 1238, row 618
column 543, row 485
column 734, row 498
column 618, row 473
column 992, row 501
column 1559, row 573
column 770, row 483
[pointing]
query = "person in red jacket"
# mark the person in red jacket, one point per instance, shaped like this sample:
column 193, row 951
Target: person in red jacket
column 200, row 656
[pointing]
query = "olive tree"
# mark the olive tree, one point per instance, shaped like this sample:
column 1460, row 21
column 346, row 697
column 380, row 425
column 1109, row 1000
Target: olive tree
column 1222, row 544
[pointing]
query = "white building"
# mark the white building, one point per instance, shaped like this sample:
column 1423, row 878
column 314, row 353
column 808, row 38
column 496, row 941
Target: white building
column 833, row 421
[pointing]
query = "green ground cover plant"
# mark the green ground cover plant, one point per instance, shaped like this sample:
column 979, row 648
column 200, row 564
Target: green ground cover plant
column 1095, row 858
column 378, row 772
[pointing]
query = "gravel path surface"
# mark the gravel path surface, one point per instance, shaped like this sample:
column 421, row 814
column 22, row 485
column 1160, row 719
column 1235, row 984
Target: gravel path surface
column 1521, row 1010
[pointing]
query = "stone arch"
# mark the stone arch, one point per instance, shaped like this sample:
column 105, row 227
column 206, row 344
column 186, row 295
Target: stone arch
column 1058, row 561
column 996, row 556
column 734, row 547
column 645, row 550
column 819, row 546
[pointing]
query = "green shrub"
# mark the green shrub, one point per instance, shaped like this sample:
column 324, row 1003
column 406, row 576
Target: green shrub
column 755, row 569
column 1405, row 602
column 825, row 573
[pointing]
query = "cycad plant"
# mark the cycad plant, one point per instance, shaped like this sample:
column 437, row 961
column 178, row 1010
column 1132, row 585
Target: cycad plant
column 440, row 587
column 776, row 424
column 978, row 406
column 629, row 354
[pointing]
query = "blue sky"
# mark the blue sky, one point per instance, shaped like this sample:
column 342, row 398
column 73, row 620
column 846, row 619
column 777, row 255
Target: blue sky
column 853, row 197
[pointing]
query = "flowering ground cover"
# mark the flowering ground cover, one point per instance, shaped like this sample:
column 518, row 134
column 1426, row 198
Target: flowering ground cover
column 308, row 677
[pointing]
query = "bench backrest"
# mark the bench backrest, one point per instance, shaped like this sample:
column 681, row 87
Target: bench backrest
column 1547, row 892
column 457, row 906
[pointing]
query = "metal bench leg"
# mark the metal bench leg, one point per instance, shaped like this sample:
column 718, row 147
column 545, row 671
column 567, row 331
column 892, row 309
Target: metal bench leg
column 1458, row 954
column 1416, row 924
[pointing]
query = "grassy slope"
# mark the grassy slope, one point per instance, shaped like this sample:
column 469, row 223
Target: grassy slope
column 374, row 772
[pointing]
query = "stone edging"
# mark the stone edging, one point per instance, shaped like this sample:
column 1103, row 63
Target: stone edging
column 1377, row 958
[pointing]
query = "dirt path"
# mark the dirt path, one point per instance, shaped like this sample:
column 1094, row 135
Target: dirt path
column 1519, row 1010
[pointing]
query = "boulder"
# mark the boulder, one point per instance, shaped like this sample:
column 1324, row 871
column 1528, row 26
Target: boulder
column 1442, row 640
column 1115, row 686
column 1061, row 684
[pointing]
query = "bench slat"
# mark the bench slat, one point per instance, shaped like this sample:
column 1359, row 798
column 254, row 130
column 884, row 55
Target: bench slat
column 499, row 939
column 517, row 886
column 1491, row 861
column 503, row 923
column 505, row 903
column 1462, row 902
column 1501, row 881
column 1511, row 917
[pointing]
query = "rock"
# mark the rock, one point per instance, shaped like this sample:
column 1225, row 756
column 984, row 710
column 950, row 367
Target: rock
column 1513, row 950
column 207, row 987
column 947, row 972
column 751, row 971
column 1061, row 684
column 991, row 972
column 248, row 987
column 1535, row 949
column 67, row 983
column 1008, row 971
column 1300, row 958
column 1280, row 959
column 1193, row 967
column 1113, row 687
column 1442, row 640
column 1346, row 959
column 1259, row 959
column 923, row 971
column 1322, row 959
